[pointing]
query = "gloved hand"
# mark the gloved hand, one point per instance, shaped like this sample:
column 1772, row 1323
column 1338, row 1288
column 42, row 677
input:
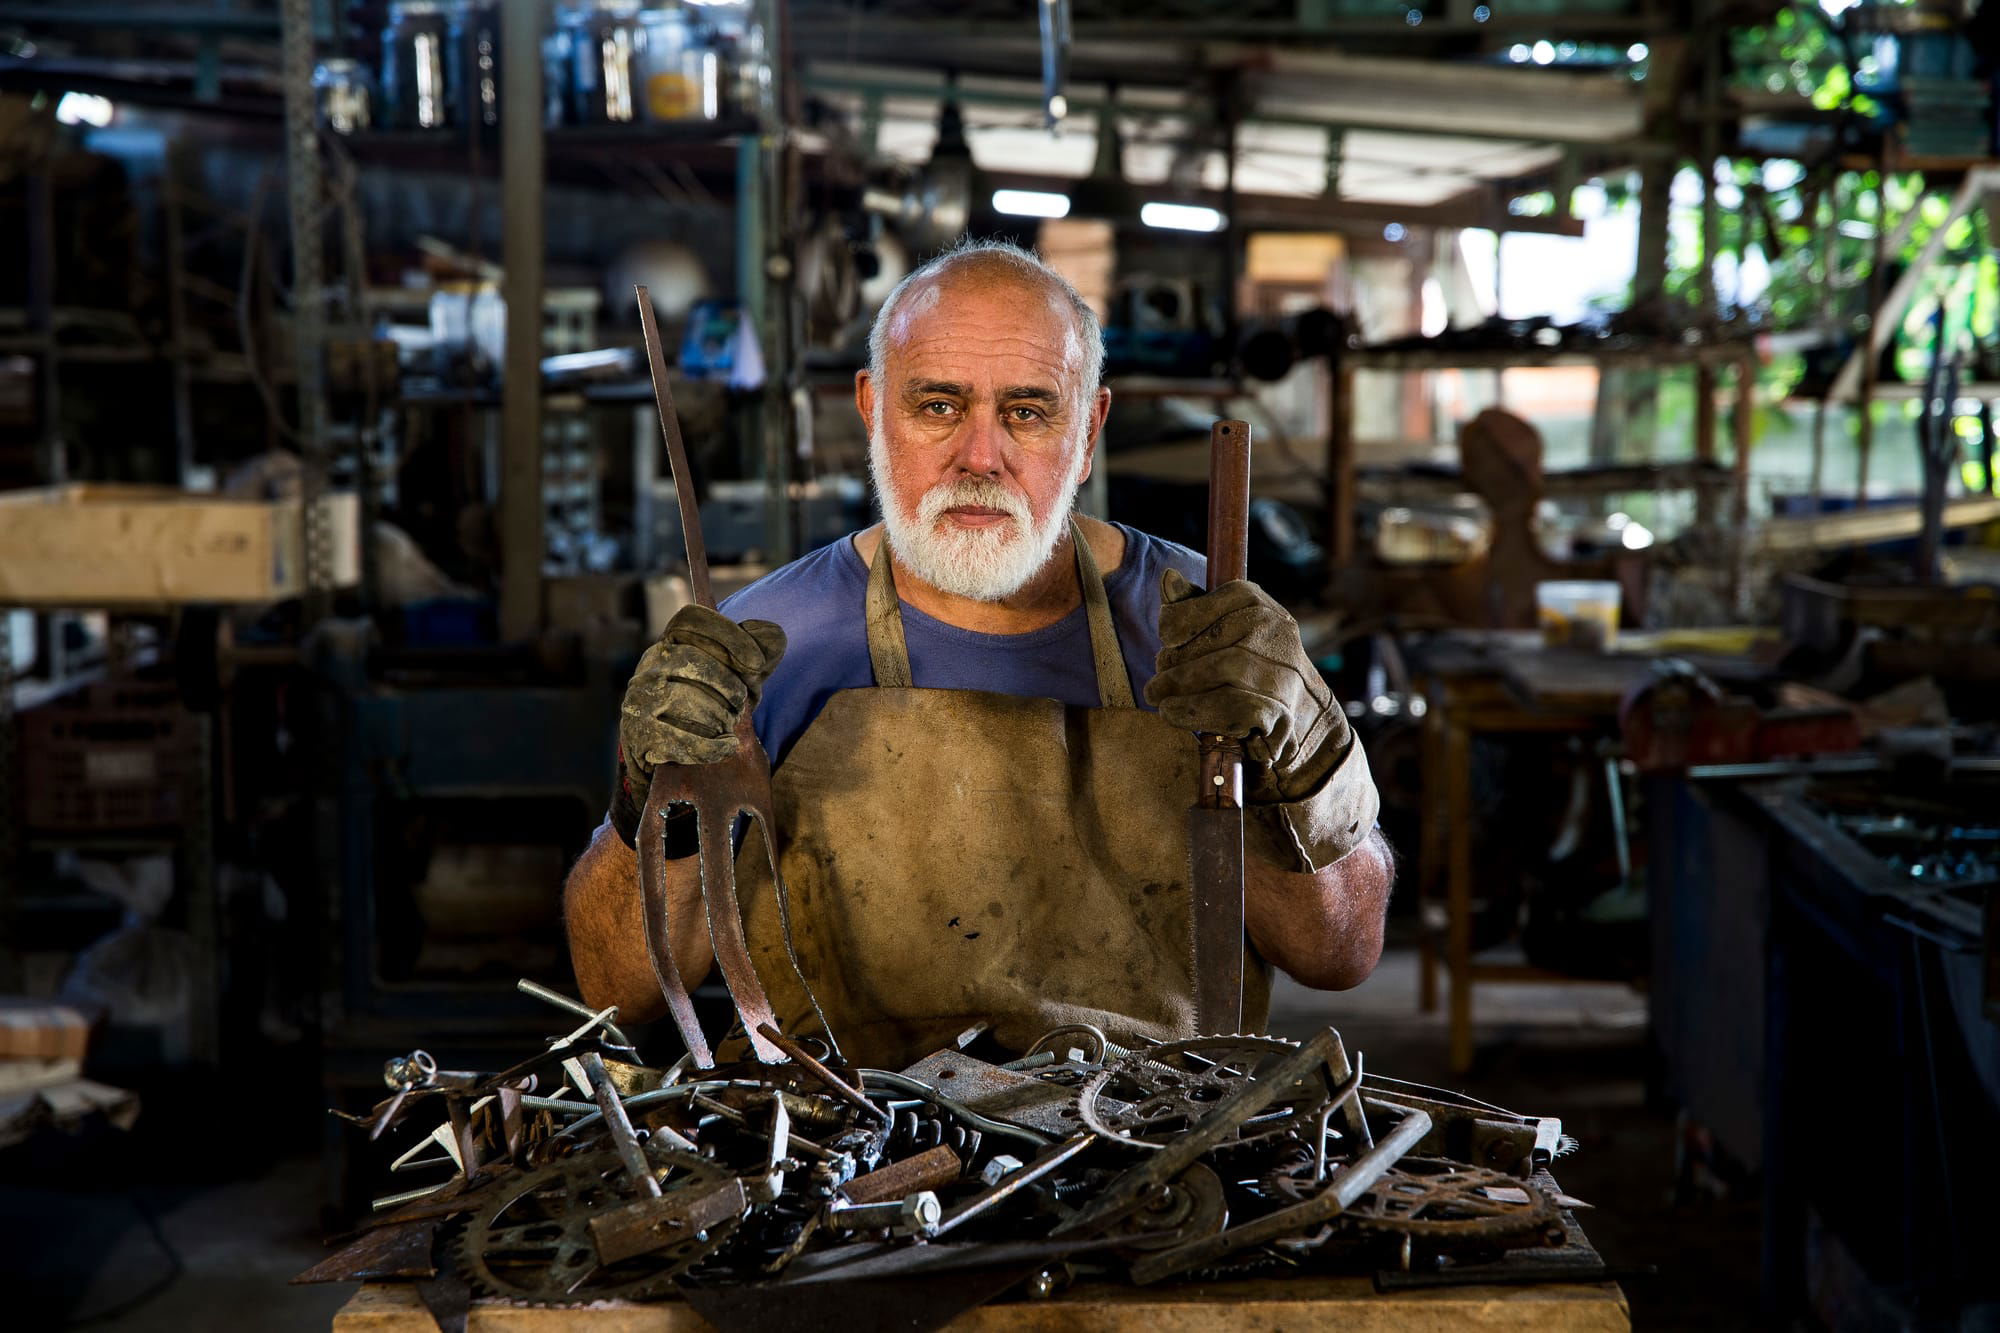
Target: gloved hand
column 1231, row 663
column 686, row 697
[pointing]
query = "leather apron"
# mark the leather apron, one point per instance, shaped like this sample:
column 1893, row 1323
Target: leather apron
column 955, row 855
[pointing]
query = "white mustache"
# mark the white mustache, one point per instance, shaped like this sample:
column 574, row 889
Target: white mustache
column 982, row 492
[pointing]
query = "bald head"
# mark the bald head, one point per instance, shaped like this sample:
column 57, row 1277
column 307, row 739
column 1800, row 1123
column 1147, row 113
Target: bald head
column 985, row 266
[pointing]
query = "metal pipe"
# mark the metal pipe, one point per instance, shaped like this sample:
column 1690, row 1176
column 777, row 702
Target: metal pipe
column 521, row 182
column 577, row 1007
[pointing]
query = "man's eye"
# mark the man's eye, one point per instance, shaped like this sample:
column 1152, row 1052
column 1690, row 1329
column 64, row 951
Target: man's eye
column 1026, row 413
column 936, row 408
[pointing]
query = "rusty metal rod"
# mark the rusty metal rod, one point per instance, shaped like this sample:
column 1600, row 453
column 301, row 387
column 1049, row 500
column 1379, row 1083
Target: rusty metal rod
column 831, row 1081
column 619, row 1126
column 1012, row 1184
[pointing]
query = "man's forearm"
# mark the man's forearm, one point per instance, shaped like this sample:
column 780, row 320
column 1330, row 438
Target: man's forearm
column 1323, row 928
column 607, row 929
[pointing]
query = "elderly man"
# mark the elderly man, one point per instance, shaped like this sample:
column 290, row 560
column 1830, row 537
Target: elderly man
column 977, row 817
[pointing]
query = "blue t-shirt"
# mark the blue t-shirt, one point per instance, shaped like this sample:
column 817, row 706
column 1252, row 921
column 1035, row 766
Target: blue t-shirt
column 820, row 600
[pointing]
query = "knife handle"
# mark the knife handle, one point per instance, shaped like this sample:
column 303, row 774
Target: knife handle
column 1228, row 502
column 1221, row 772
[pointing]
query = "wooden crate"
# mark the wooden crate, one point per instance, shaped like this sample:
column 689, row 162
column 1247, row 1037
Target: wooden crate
column 149, row 546
column 113, row 755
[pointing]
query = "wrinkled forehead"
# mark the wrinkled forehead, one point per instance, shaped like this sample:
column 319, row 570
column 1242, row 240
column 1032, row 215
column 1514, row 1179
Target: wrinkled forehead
column 1028, row 310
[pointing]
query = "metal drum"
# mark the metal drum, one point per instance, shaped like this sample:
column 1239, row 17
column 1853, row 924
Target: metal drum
column 680, row 73
column 603, row 47
column 415, row 91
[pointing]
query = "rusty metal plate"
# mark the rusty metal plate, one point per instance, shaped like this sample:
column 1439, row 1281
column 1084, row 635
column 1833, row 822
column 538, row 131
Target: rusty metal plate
column 654, row 1224
column 403, row 1250
column 1044, row 1101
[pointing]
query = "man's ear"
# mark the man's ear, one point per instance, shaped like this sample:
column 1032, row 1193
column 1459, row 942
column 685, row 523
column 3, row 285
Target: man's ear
column 1100, row 407
column 864, row 399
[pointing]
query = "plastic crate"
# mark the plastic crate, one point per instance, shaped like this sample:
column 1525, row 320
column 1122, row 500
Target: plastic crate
column 111, row 756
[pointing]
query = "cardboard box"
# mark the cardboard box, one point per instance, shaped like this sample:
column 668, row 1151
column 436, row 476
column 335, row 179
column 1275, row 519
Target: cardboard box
column 106, row 545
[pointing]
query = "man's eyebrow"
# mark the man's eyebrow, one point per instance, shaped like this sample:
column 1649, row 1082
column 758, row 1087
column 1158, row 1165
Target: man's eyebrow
column 1033, row 392
column 924, row 388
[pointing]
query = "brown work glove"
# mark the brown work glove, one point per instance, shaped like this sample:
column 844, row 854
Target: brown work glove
column 1231, row 664
column 686, row 697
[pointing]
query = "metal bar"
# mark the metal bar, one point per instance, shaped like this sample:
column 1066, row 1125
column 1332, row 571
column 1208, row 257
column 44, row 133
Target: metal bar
column 916, row 90
column 619, row 1125
column 831, row 1081
column 522, row 540
column 677, row 459
column 1014, row 1182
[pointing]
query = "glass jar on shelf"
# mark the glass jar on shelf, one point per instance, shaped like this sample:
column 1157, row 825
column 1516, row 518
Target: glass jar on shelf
column 415, row 95
column 342, row 92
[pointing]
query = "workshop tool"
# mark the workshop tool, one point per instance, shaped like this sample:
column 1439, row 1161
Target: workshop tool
column 1215, row 822
column 720, row 795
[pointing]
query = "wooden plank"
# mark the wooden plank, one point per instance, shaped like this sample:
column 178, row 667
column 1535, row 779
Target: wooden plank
column 117, row 545
column 1349, row 1303
column 1573, row 681
column 1877, row 523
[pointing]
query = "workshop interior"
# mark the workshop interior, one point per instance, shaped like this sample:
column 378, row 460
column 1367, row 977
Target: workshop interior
column 1603, row 390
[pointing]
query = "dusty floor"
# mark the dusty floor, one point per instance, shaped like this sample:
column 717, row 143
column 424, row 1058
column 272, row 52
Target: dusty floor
column 1574, row 1051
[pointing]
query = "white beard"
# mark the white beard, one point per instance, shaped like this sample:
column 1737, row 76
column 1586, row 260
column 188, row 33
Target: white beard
column 985, row 564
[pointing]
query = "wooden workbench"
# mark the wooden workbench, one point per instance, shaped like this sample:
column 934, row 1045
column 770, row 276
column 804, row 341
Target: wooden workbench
column 1504, row 682
column 1348, row 1303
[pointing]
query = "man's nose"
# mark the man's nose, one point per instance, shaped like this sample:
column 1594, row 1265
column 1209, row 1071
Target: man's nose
column 981, row 446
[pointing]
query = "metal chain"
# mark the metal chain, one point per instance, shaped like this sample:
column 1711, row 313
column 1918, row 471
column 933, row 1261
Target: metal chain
column 302, row 171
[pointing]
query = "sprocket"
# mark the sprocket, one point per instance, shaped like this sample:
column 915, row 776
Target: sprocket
column 1151, row 1097
column 532, row 1242
column 1189, row 1208
column 1441, row 1203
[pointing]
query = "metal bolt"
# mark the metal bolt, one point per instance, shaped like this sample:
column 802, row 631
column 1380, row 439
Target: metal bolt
column 916, row 1215
column 998, row 1169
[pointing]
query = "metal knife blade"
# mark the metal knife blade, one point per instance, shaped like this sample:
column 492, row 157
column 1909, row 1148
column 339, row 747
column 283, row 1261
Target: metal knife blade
column 1215, row 822
column 1215, row 865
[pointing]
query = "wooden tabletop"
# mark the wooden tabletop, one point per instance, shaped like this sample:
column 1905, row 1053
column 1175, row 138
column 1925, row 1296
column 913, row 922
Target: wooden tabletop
column 1349, row 1303
column 1567, row 680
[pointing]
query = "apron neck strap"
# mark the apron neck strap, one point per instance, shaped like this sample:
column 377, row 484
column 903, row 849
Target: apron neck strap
column 889, row 651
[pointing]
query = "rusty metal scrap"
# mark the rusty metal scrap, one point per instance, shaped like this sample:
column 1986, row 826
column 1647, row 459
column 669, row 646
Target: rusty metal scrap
column 583, row 1174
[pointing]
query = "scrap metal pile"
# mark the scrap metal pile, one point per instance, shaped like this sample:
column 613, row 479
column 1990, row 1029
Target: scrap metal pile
column 582, row 1175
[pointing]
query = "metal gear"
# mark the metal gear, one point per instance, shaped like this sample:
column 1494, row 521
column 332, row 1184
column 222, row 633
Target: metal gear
column 1149, row 1098
column 1192, row 1207
column 531, row 1241
column 1439, row 1203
